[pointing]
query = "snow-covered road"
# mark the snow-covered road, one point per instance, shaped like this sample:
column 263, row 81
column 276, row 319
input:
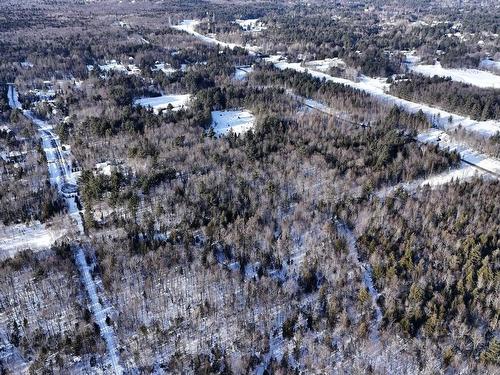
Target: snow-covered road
column 99, row 311
column 465, row 172
column 474, row 162
column 60, row 173
column 13, row 97
column 377, row 88
column 373, row 86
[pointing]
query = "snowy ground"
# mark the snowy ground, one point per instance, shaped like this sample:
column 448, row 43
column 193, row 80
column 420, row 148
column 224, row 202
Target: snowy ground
column 311, row 103
column 13, row 98
column 484, row 165
column 350, row 238
column 189, row 27
column 251, row 25
column 165, row 68
column 373, row 86
column 160, row 103
column 326, row 64
column 444, row 141
column 98, row 310
column 377, row 88
column 473, row 77
column 59, row 170
column 242, row 72
column 465, row 172
column 37, row 236
column 491, row 65
column 113, row 65
column 237, row 121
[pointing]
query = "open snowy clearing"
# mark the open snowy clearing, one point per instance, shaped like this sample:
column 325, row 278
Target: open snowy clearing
column 376, row 87
column 160, row 103
column 242, row 72
column 164, row 67
column 251, row 25
column 237, row 121
column 473, row 77
column 14, row 238
column 326, row 64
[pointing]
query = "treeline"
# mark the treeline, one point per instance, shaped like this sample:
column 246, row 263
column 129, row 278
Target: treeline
column 306, row 85
column 132, row 120
column 360, row 105
column 467, row 100
column 4, row 102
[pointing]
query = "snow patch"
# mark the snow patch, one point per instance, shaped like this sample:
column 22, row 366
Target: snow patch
column 164, row 67
column 473, row 77
column 326, row 64
column 492, row 65
column 237, row 121
column 189, row 26
column 160, row 103
column 19, row 237
column 251, row 25
column 242, row 72
column 118, row 67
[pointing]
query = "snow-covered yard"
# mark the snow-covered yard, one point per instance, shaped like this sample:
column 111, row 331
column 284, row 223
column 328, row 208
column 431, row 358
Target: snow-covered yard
column 242, row 72
column 473, row 77
column 326, row 64
column 251, row 25
column 160, row 103
column 113, row 65
column 237, row 121
column 164, row 67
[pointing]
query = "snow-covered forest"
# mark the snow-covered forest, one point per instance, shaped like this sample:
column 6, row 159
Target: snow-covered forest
column 249, row 187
